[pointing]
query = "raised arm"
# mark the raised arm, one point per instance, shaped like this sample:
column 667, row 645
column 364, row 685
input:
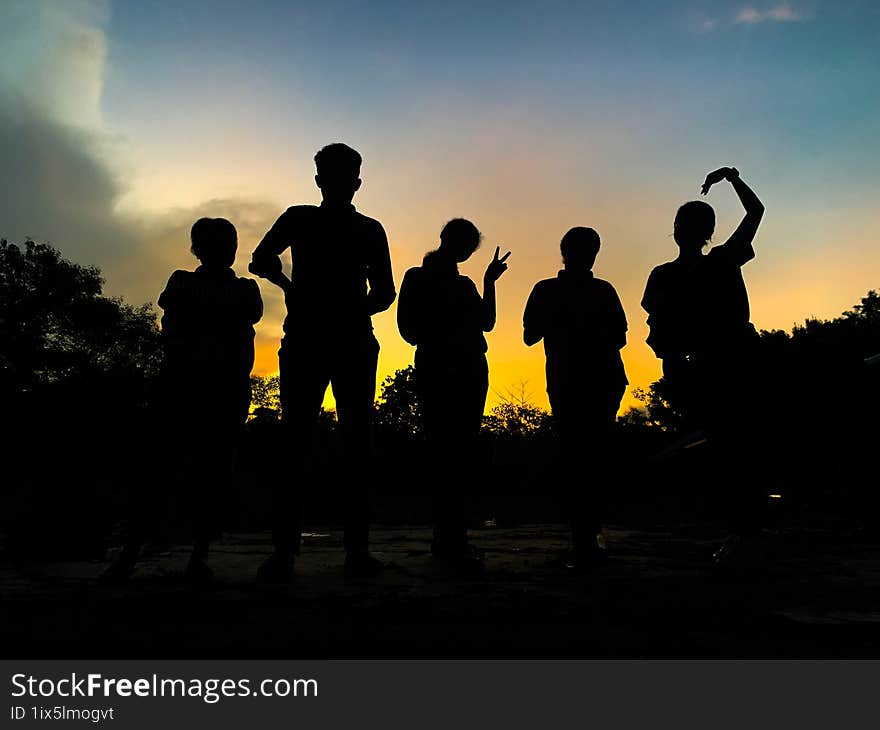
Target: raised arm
column 740, row 242
column 493, row 272
column 266, row 259
column 379, row 275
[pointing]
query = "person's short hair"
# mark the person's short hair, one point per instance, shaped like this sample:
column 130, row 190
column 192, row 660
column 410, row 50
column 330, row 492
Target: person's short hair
column 580, row 244
column 461, row 230
column 213, row 239
column 338, row 159
column 695, row 221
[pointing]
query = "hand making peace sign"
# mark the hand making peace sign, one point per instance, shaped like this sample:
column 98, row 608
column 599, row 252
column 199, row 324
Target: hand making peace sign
column 496, row 267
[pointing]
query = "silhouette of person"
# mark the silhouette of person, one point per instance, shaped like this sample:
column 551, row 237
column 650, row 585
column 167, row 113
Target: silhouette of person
column 340, row 276
column 204, row 389
column 441, row 312
column 699, row 320
column 583, row 326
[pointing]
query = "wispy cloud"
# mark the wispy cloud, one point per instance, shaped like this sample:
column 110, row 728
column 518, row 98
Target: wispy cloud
column 782, row 13
column 749, row 15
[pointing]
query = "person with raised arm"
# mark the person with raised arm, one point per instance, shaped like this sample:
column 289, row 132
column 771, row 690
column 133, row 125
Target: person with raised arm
column 699, row 321
column 441, row 312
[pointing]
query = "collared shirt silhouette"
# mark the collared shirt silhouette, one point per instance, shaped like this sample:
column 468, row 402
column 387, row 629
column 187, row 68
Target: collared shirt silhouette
column 340, row 269
column 208, row 323
column 340, row 276
column 583, row 326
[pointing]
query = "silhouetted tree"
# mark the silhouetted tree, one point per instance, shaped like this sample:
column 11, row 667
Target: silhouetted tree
column 56, row 326
column 397, row 407
column 265, row 398
column 515, row 416
column 656, row 411
column 76, row 368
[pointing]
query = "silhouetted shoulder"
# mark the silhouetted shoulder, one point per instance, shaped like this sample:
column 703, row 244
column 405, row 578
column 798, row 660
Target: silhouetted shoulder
column 370, row 223
column 297, row 214
column 409, row 314
column 655, row 285
column 176, row 282
column 413, row 275
column 537, row 311
column 373, row 229
column 738, row 250
column 605, row 286
column 546, row 285
column 300, row 210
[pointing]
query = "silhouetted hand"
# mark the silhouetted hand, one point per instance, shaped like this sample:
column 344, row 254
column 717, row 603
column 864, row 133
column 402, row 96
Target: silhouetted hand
column 496, row 267
column 722, row 173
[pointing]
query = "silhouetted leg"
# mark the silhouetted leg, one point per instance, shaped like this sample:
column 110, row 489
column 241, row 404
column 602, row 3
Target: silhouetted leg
column 304, row 380
column 452, row 398
column 585, row 422
column 210, row 468
column 742, row 440
column 151, row 486
column 354, row 387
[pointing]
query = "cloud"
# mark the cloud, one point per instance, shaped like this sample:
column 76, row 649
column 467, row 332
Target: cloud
column 782, row 13
column 58, row 162
column 749, row 15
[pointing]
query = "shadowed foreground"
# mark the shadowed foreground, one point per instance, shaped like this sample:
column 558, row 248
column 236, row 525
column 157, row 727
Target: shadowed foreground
column 819, row 598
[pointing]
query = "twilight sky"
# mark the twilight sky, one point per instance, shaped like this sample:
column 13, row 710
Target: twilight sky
column 122, row 122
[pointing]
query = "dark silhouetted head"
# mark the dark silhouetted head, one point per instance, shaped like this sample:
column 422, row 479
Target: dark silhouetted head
column 459, row 239
column 694, row 225
column 579, row 248
column 339, row 169
column 214, row 242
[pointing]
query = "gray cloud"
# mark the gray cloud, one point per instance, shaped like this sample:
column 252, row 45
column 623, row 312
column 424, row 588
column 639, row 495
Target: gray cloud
column 58, row 166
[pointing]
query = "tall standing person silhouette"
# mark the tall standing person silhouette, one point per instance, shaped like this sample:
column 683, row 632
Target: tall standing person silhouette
column 699, row 320
column 583, row 326
column 340, row 277
column 441, row 312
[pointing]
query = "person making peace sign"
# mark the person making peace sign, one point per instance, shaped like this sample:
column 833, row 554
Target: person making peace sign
column 441, row 312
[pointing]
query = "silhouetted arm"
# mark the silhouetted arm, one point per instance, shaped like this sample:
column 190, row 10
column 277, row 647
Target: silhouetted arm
column 739, row 246
column 617, row 320
column 493, row 272
column 379, row 275
column 408, row 311
column 253, row 302
column 266, row 259
column 533, row 317
column 169, row 296
column 653, row 303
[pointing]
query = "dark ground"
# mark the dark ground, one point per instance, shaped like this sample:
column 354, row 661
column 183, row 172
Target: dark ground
column 818, row 597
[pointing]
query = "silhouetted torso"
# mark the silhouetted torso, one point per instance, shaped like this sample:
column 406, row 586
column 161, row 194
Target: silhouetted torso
column 699, row 305
column 583, row 326
column 208, row 323
column 335, row 253
column 441, row 312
